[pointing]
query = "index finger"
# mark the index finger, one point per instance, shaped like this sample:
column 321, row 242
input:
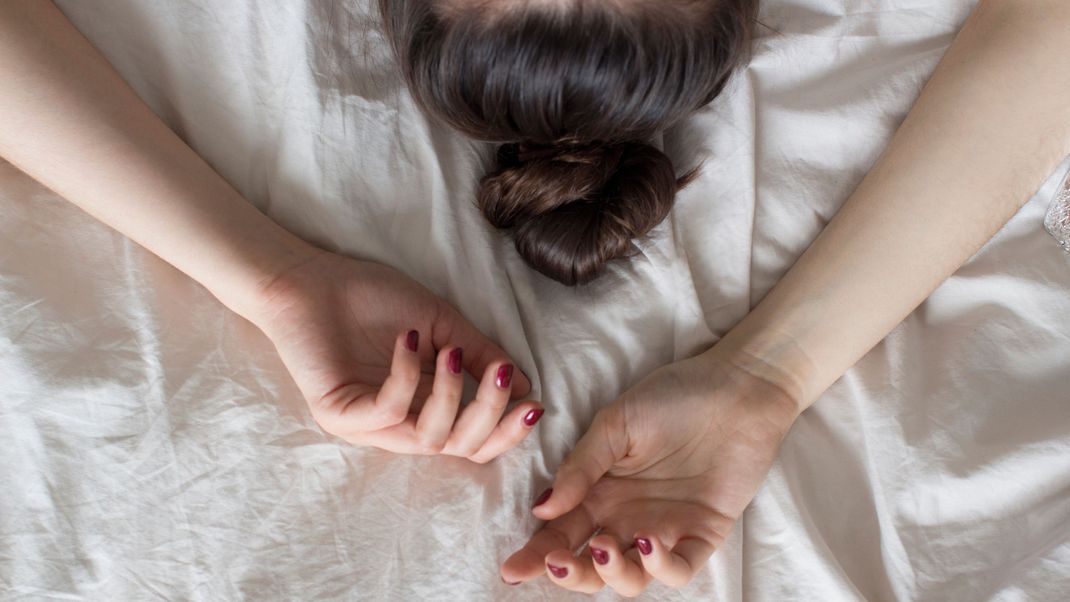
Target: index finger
column 356, row 407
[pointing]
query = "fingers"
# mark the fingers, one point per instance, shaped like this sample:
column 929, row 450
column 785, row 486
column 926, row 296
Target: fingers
column 480, row 352
column 677, row 566
column 600, row 447
column 398, row 438
column 619, row 569
column 565, row 533
column 573, row 572
column 482, row 414
column 629, row 572
column 510, row 431
column 440, row 410
column 362, row 410
column 382, row 419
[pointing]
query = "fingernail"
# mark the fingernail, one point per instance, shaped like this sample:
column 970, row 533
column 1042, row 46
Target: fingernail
column 508, row 582
column 645, row 548
column 505, row 376
column 558, row 571
column 412, row 341
column 532, row 417
column 543, row 497
column 600, row 556
column 453, row 362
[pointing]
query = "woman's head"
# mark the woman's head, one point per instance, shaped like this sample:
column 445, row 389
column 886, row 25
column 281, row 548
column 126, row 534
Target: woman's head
column 575, row 89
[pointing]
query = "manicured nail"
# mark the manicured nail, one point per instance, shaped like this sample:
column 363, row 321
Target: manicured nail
column 505, row 376
column 412, row 341
column 600, row 556
column 453, row 362
column 558, row 571
column 542, row 498
column 508, row 582
column 645, row 548
column 532, row 417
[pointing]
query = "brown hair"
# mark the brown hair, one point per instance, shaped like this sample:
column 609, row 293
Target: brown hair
column 574, row 89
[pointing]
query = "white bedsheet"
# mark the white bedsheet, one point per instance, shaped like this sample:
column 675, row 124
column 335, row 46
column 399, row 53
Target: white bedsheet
column 153, row 446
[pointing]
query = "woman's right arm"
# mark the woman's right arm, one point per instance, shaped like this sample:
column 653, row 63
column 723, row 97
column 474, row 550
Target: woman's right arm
column 73, row 124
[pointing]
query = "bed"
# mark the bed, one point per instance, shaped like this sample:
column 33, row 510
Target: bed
column 152, row 445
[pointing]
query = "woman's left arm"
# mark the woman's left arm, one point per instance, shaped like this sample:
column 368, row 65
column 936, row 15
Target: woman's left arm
column 668, row 468
column 990, row 126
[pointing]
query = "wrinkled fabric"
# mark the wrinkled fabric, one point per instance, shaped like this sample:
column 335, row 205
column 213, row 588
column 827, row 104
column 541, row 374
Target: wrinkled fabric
column 154, row 447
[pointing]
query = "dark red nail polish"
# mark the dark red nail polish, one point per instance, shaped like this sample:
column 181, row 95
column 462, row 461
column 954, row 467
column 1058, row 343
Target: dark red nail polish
column 532, row 417
column 508, row 582
column 453, row 362
column 600, row 556
column 412, row 341
column 505, row 376
column 543, row 497
column 558, row 571
column 644, row 545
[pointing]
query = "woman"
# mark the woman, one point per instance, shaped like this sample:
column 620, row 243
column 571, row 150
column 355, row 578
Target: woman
column 665, row 470
column 576, row 89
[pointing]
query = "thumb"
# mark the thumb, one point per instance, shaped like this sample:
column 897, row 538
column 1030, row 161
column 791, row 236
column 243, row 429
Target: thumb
column 604, row 443
column 479, row 351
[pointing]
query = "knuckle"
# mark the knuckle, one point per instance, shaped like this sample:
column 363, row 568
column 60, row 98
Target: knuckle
column 330, row 400
column 494, row 403
column 430, row 445
column 429, row 449
column 408, row 375
column 393, row 414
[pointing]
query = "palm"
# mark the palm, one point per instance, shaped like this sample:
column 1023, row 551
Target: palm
column 337, row 334
column 676, row 459
column 717, row 449
column 341, row 327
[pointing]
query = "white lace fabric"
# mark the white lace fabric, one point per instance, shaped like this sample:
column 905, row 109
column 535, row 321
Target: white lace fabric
column 1057, row 221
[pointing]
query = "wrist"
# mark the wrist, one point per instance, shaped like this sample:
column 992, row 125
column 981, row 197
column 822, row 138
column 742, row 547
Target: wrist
column 264, row 267
column 773, row 359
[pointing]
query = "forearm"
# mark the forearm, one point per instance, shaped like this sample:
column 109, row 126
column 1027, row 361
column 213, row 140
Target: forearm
column 990, row 125
column 73, row 124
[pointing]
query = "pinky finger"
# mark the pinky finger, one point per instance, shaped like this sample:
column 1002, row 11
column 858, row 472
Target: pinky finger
column 675, row 567
column 509, row 432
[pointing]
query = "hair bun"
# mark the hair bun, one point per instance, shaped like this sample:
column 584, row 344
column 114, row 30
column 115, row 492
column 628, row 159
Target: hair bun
column 572, row 207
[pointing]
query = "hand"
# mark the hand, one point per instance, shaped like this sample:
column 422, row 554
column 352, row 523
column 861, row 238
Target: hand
column 665, row 471
column 364, row 342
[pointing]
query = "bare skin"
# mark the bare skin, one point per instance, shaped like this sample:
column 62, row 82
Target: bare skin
column 990, row 126
column 339, row 324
